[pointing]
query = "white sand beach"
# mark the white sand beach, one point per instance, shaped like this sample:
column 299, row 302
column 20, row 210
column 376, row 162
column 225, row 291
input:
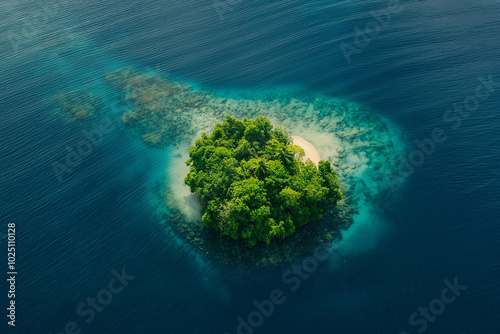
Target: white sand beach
column 309, row 150
column 178, row 193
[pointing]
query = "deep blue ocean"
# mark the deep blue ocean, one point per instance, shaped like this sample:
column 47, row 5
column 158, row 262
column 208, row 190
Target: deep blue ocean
column 420, row 69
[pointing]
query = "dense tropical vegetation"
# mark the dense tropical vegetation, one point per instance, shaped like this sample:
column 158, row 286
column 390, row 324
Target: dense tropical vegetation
column 253, row 183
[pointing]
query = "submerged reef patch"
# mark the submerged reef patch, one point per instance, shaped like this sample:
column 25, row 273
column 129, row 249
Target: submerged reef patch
column 77, row 105
column 171, row 115
column 161, row 111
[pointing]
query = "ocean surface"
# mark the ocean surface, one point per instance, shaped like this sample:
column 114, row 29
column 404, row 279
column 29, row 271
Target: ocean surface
column 421, row 68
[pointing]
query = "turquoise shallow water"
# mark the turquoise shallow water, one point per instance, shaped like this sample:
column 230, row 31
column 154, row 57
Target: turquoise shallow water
column 442, row 224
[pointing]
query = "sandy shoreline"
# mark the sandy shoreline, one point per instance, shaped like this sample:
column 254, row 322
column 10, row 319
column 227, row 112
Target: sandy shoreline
column 178, row 193
column 187, row 202
column 309, row 150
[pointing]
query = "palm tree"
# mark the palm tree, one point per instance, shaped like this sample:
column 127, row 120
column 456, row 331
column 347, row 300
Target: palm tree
column 260, row 169
column 285, row 155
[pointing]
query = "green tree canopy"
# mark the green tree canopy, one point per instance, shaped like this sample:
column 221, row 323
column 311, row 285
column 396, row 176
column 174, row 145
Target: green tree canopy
column 250, row 184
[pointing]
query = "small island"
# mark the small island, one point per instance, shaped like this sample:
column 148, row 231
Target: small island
column 254, row 184
column 169, row 115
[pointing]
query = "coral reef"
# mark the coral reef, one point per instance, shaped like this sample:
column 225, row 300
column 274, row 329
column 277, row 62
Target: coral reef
column 77, row 105
column 362, row 148
column 161, row 109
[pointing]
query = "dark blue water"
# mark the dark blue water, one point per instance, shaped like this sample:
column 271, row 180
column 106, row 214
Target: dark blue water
column 71, row 235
